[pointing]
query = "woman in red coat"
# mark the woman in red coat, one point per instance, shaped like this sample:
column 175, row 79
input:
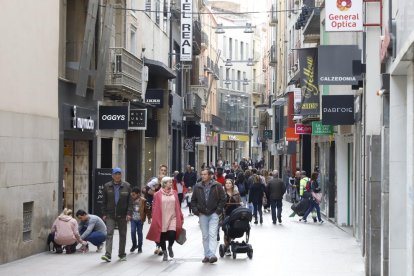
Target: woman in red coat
column 167, row 218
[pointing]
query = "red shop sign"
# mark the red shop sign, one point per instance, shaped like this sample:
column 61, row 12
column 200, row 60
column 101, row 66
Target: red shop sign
column 303, row 129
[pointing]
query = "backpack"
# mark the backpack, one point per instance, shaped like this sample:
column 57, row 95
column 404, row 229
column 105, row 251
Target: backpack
column 242, row 187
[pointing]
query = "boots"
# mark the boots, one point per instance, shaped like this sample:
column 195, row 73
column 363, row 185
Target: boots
column 170, row 252
column 165, row 255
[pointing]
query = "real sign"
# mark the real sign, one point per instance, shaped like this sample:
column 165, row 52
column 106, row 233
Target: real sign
column 186, row 30
column 303, row 129
column 343, row 16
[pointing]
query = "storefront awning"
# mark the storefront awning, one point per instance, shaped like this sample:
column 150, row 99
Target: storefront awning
column 158, row 68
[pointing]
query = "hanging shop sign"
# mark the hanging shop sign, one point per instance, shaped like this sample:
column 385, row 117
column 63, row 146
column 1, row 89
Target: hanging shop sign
column 297, row 100
column 113, row 117
column 189, row 145
column 318, row 129
column 308, row 60
column 338, row 110
column 343, row 16
column 186, row 30
column 137, row 119
column 234, row 137
column 81, row 119
column 291, row 135
column 267, row 134
column 303, row 129
column 155, row 97
column 335, row 64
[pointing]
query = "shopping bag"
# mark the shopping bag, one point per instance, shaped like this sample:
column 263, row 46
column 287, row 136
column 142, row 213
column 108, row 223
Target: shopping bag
column 182, row 238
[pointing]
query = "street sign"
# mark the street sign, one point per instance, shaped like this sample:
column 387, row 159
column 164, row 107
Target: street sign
column 102, row 176
column 319, row 129
column 303, row 129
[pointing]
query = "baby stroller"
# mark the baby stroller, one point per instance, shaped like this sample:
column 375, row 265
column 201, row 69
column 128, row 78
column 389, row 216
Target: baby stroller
column 234, row 226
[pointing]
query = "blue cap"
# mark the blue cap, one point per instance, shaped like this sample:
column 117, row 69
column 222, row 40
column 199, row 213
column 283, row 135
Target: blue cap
column 116, row 170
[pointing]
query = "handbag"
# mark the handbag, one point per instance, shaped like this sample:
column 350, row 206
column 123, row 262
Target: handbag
column 182, row 238
column 317, row 197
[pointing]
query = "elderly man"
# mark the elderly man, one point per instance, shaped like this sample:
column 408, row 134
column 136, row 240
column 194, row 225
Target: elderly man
column 208, row 202
column 276, row 191
column 116, row 210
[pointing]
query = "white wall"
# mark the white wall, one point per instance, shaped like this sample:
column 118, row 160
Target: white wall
column 29, row 56
column 341, row 147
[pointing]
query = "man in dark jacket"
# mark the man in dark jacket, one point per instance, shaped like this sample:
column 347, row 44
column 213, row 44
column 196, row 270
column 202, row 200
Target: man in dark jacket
column 208, row 202
column 276, row 190
column 190, row 177
column 117, row 209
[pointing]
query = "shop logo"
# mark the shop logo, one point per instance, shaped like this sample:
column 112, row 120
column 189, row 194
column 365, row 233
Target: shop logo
column 82, row 123
column 343, row 5
column 113, row 117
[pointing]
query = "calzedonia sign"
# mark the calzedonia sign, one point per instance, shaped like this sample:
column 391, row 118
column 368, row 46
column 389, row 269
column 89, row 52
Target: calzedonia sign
column 343, row 16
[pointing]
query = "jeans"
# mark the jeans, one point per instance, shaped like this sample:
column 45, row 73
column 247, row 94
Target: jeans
column 315, row 205
column 96, row 238
column 209, row 228
column 136, row 229
column 122, row 229
column 257, row 206
column 276, row 203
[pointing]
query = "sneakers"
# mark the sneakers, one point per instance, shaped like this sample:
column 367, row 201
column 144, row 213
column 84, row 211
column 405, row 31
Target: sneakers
column 99, row 248
column 255, row 222
column 274, row 222
column 170, row 252
column 205, row 260
column 321, row 222
column 122, row 258
column 228, row 253
column 165, row 257
column 280, row 220
column 133, row 248
column 106, row 258
column 212, row 259
column 158, row 251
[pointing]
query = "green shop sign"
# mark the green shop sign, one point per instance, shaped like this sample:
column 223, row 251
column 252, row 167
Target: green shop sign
column 319, row 129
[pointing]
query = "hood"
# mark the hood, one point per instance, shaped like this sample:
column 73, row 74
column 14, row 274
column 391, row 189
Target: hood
column 65, row 218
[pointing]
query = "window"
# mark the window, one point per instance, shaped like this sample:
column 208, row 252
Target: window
column 225, row 46
column 157, row 12
column 241, row 50
column 27, row 220
column 236, row 50
column 247, row 50
column 238, row 80
column 230, row 48
column 221, row 76
column 227, row 73
column 133, row 43
column 233, row 77
column 134, row 6
column 148, row 7
column 244, row 85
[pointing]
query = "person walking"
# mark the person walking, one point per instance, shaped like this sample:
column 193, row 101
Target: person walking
column 276, row 191
column 314, row 198
column 167, row 218
column 116, row 210
column 241, row 184
column 140, row 211
column 256, row 193
column 179, row 186
column 65, row 232
column 208, row 202
column 92, row 229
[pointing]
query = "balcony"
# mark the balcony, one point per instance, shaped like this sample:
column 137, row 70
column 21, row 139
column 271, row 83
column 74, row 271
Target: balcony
column 123, row 75
column 196, row 38
column 312, row 29
column 259, row 88
column 216, row 121
column 201, row 91
column 192, row 105
column 273, row 16
column 272, row 56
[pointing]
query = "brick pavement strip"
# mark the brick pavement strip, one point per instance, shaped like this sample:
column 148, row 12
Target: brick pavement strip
column 293, row 248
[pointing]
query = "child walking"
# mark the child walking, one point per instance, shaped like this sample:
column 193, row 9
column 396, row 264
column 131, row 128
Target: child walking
column 140, row 212
column 188, row 196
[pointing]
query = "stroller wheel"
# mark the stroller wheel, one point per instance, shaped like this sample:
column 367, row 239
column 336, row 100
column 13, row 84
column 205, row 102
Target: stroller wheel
column 234, row 255
column 250, row 254
column 221, row 250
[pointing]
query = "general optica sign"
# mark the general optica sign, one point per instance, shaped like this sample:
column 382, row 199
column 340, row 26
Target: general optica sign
column 303, row 129
column 343, row 16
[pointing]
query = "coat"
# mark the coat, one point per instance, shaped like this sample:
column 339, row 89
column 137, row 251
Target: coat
column 276, row 189
column 215, row 202
column 65, row 229
column 144, row 211
column 124, row 206
column 232, row 202
column 257, row 190
column 154, row 233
